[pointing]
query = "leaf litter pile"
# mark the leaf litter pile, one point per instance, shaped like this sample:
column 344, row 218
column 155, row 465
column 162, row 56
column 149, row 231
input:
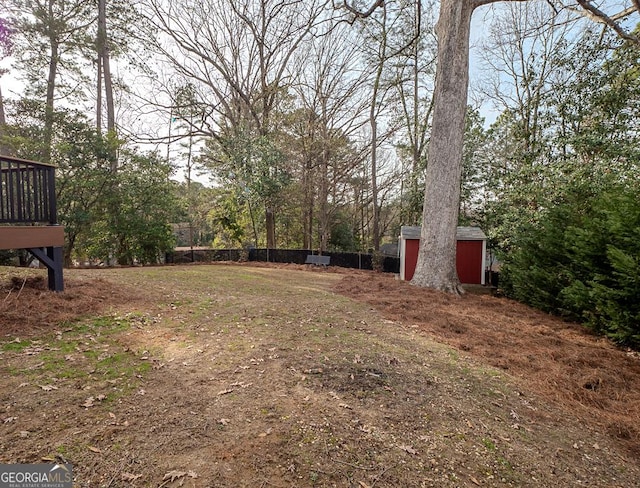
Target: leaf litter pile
column 230, row 376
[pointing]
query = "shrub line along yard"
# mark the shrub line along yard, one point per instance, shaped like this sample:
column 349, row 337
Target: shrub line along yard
column 238, row 375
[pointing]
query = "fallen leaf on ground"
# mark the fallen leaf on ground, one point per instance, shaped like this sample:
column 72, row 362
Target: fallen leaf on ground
column 174, row 475
column 95, row 449
column 129, row 476
column 408, row 449
column 313, row 371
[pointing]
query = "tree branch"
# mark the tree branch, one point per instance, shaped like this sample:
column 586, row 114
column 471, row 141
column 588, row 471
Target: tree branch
column 552, row 5
column 363, row 15
column 625, row 13
column 592, row 12
column 597, row 15
column 480, row 3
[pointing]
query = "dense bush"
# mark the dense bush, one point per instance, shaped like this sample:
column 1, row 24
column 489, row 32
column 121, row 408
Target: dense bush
column 582, row 261
column 7, row 257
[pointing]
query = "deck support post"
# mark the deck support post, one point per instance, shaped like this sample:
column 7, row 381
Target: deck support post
column 52, row 258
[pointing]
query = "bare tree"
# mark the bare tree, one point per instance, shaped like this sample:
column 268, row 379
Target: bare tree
column 390, row 35
column 331, row 90
column 377, row 103
column 236, row 54
column 414, row 71
column 522, row 51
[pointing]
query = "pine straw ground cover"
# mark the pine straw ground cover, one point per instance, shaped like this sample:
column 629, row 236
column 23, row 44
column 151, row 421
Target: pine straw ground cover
column 587, row 376
column 228, row 376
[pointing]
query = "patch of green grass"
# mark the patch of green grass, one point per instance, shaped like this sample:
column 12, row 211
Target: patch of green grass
column 55, row 365
column 66, row 347
column 489, row 444
column 121, row 364
column 91, row 354
column 91, row 345
column 506, row 464
column 111, row 324
column 112, row 366
column 107, row 324
column 16, row 346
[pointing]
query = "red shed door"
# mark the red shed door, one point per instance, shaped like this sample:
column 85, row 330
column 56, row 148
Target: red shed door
column 469, row 261
column 410, row 258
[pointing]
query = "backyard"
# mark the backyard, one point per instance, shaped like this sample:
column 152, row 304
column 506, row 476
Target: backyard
column 233, row 375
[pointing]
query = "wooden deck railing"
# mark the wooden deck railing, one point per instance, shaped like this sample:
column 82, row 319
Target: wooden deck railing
column 27, row 192
column 28, row 198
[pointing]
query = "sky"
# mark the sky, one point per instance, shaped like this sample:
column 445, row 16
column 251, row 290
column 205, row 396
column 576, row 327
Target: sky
column 479, row 25
column 13, row 88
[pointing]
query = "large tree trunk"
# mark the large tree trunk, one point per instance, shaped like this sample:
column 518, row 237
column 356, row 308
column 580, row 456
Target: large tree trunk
column 99, row 95
column 270, row 221
column 307, row 207
column 373, row 123
column 45, row 153
column 374, row 167
column 3, row 122
column 54, row 46
column 324, row 219
column 104, row 71
column 436, row 267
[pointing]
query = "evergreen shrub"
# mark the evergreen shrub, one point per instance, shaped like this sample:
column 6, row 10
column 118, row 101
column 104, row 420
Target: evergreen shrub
column 582, row 262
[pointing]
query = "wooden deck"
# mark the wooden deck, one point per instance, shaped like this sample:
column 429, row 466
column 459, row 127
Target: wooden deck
column 22, row 237
column 28, row 217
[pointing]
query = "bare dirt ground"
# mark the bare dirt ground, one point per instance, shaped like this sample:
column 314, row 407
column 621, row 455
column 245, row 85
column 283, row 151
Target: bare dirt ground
column 230, row 376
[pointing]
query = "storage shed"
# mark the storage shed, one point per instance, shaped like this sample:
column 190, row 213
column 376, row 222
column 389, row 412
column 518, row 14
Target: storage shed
column 471, row 253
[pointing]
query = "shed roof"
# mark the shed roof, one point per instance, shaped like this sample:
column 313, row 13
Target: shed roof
column 463, row 233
